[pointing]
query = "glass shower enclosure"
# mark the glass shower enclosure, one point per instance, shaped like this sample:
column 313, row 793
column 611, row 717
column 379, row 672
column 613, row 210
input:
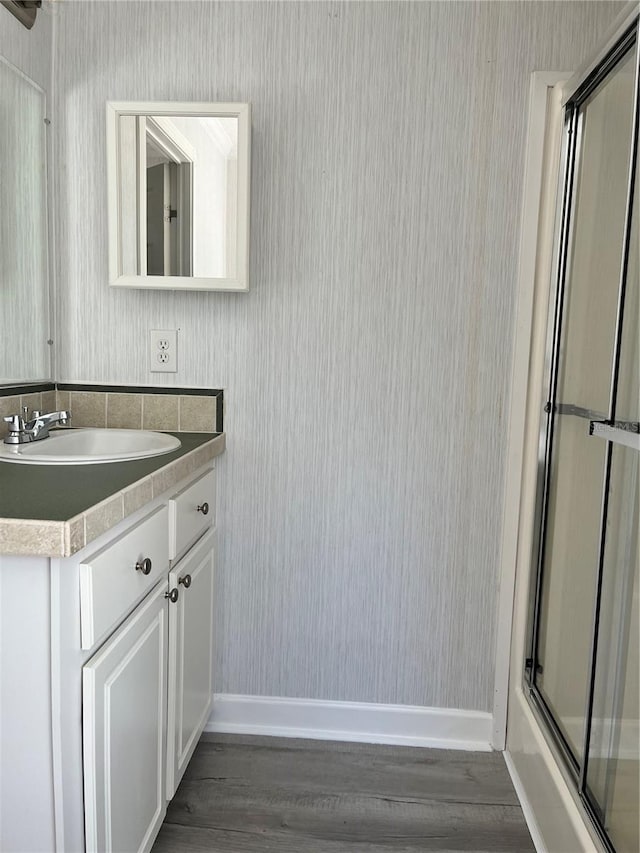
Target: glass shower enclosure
column 582, row 667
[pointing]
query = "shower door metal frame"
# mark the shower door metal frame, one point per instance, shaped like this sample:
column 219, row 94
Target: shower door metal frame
column 581, row 89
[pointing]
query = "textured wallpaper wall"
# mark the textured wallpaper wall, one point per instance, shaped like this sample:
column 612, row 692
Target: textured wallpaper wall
column 28, row 50
column 366, row 374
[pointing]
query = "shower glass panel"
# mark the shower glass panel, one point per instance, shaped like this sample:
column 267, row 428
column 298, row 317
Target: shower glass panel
column 571, row 564
column 584, row 358
column 628, row 387
column 613, row 769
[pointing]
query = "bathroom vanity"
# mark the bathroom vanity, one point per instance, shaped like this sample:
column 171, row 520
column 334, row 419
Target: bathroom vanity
column 106, row 632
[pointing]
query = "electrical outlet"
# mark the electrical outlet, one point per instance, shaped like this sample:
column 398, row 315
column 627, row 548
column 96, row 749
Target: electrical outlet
column 163, row 350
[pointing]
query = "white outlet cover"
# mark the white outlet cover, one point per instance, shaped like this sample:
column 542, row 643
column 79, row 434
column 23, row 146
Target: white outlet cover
column 163, row 350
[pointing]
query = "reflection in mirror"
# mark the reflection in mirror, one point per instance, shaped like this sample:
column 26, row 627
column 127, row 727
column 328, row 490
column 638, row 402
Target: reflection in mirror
column 191, row 167
column 182, row 195
column 24, row 299
column 168, row 202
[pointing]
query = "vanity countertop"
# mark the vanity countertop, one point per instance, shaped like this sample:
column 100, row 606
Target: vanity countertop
column 55, row 510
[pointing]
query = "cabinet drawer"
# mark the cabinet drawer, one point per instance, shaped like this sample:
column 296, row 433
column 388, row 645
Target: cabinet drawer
column 191, row 512
column 110, row 583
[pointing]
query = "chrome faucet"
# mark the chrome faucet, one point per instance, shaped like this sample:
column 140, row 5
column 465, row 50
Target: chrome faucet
column 27, row 427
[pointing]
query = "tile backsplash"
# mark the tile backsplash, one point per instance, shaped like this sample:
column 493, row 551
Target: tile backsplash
column 121, row 407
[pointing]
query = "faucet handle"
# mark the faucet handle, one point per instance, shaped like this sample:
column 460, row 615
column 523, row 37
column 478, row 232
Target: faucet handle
column 16, row 423
column 35, row 414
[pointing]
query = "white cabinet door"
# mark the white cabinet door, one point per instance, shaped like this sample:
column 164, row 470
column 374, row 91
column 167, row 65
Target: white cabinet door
column 124, row 719
column 190, row 657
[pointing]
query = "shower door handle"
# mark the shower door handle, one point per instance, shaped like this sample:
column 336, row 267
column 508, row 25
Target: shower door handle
column 626, row 433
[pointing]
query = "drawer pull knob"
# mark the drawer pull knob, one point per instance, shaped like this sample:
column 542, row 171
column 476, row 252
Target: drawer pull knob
column 203, row 508
column 144, row 566
column 186, row 580
column 172, row 595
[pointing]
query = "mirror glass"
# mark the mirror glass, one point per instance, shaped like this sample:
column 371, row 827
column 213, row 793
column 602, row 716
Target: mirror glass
column 24, row 282
column 179, row 195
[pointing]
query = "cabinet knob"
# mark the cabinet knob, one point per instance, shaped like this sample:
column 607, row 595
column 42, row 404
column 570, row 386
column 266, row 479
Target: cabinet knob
column 203, row 508
column 144, row 566
column 172, row 595
column 186, row 580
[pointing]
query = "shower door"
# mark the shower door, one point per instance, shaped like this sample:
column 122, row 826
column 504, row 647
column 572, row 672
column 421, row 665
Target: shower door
column 582, row 667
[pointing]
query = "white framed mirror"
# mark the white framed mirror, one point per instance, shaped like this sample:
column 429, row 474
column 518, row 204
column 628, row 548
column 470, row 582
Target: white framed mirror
column 178, row 195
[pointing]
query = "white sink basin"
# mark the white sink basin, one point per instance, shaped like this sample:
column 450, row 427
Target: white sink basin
column 87, row 446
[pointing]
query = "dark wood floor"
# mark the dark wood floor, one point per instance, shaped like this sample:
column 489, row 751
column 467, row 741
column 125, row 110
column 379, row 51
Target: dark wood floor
column 248, row 795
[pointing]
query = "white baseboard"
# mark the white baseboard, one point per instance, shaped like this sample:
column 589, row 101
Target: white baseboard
column 404, row 725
